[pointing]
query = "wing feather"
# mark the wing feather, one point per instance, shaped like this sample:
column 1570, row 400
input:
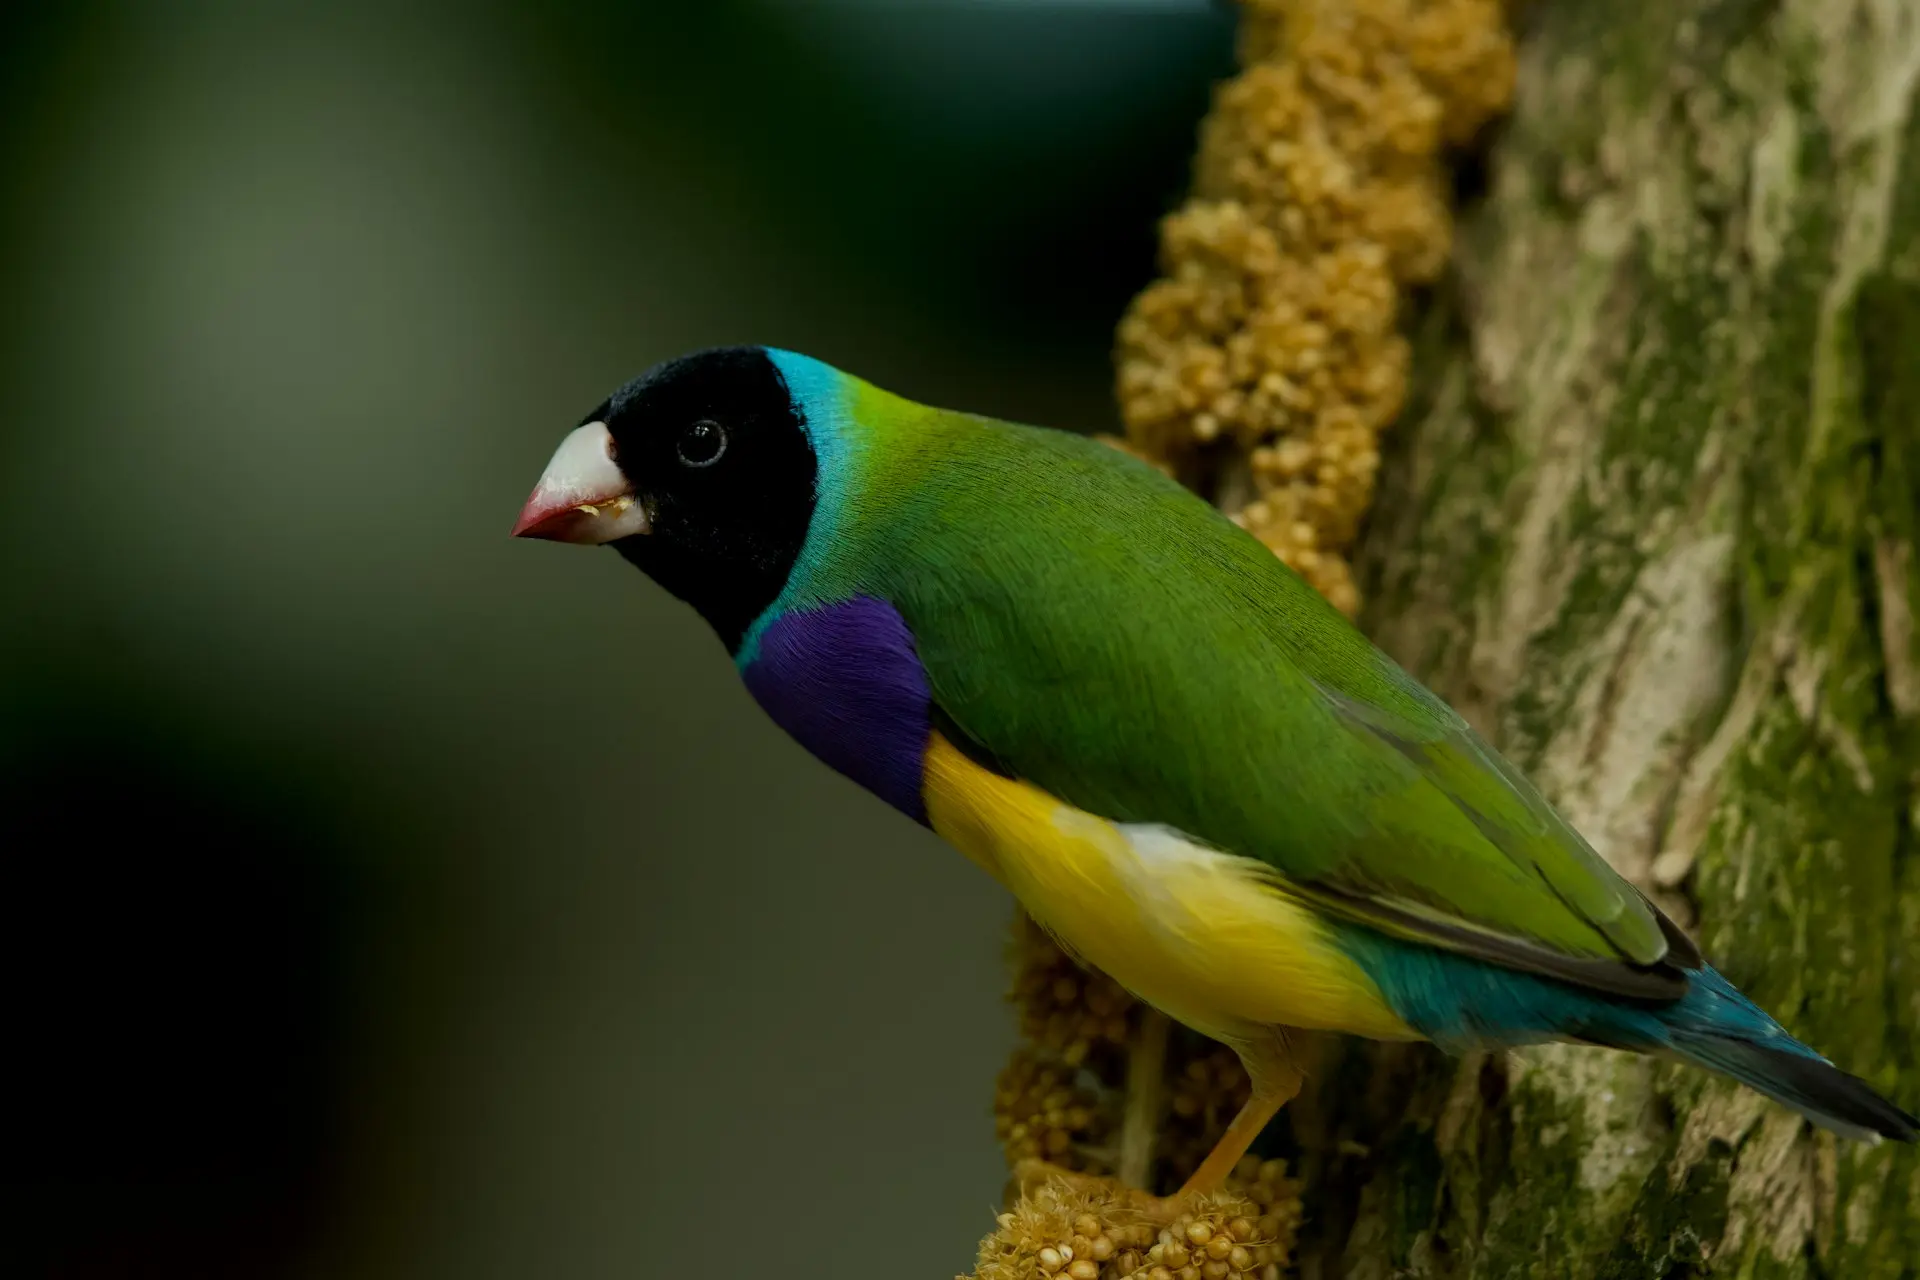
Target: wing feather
column 1092, row 628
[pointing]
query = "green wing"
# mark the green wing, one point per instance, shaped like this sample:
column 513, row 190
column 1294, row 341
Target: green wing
column 1110, row 638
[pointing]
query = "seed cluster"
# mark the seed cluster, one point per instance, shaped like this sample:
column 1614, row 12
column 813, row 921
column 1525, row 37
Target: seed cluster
column 1058, row 1098
column 1319, row 196
column 1073, row 1012
column 1041, row 1112
column 1057, row 1231
column 1060, row 1232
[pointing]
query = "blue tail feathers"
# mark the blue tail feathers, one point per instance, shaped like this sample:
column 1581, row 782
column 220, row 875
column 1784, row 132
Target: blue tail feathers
column 1463, row 1003
column 1805, row 1082
column 1713, row 1027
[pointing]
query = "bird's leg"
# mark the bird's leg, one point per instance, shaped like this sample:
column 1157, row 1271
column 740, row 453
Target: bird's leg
column 1275, row 1082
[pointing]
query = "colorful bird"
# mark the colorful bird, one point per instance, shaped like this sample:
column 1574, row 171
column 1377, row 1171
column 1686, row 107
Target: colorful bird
column 1186, row 765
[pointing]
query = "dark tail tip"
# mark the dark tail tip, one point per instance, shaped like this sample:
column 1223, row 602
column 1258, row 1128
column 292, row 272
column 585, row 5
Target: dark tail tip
column 1815, row 1088
column 1836, row 1096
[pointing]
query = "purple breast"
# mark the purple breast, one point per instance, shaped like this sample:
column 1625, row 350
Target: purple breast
column 844, row 680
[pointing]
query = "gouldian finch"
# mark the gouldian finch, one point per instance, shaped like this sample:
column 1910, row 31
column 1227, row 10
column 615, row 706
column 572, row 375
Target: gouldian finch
column 1190, row 769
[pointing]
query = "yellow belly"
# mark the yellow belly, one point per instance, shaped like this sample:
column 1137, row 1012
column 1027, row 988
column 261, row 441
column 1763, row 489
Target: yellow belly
column 1194, row 932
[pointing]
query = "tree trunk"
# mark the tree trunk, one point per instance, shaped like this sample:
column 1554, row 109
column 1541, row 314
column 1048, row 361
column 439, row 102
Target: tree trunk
column 1649, row 522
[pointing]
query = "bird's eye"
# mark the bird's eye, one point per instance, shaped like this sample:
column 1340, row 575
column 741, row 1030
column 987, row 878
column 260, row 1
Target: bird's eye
column 702, row 443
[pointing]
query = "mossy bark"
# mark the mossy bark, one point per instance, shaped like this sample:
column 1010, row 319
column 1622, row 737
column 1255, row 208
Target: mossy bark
column 1650, row 523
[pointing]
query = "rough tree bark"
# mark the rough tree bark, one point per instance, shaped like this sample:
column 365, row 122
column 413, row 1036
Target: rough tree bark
column 1650, row 523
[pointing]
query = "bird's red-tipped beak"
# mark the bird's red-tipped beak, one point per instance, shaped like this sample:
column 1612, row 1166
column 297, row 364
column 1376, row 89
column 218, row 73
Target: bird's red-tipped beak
column 583, row 496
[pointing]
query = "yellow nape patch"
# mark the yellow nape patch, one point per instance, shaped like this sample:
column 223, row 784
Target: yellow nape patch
column 1202, row 935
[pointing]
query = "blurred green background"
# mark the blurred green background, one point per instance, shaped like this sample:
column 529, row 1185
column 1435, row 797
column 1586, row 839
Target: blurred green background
column 387, row 898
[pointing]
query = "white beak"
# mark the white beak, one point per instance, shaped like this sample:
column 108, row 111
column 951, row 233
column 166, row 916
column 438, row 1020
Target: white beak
column 583, row 496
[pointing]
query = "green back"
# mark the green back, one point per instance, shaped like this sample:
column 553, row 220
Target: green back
column 1111, row 638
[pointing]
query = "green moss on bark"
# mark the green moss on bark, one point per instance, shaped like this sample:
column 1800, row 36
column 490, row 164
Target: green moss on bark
column 1665, row 438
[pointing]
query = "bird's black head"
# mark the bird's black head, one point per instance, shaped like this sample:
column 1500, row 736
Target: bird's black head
column 699, row 471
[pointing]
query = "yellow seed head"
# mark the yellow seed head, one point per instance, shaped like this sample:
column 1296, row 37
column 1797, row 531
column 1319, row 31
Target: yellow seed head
column 1319, row 197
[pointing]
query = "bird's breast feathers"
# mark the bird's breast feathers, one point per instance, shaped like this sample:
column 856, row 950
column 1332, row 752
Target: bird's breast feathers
column 844, row 681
